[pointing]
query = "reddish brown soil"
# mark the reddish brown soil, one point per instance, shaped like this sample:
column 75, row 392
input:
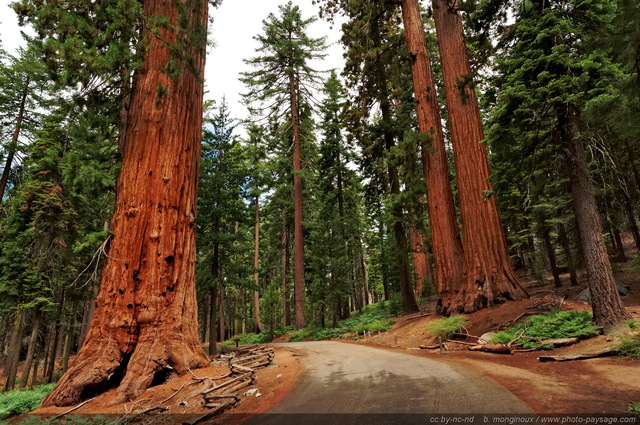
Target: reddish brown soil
column 602, row 385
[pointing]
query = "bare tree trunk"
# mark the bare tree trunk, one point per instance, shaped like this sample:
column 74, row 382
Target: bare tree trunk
column 13, row 146
column 551, row 254
column 446, row 245
column 221, row 311
column 145, row 323
column 488, row 273
column 298, row 231
column 566, row 248
column 15, row 344
column 213, row 297
column 33, row 340
column 256, row 265
column 34, row 376
column 608, row 310
column 284, row 267
column 619, row 246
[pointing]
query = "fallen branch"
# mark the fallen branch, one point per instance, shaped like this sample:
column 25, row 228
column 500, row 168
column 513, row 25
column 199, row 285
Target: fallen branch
column 492, row 348
column 429, row 347
column 470, row 344
column 224, row 384
column 609, row 351
column 73, row 408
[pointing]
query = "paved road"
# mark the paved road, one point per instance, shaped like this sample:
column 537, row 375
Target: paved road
column 347, row 382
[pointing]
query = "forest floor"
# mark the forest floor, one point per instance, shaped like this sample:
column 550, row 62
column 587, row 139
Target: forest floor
column 603, row 385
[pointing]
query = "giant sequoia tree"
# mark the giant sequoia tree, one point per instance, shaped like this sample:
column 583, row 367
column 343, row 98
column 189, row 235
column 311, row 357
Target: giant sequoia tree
column 282, row 82
column 145, row 320
column 488, row 276
column 446, row 244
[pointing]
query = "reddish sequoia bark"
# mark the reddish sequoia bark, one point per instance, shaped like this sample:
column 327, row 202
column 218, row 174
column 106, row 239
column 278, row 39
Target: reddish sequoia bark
column 421, row 264
column 145, row 322
column 608, row 310
column 488, row 276
column 445, row 240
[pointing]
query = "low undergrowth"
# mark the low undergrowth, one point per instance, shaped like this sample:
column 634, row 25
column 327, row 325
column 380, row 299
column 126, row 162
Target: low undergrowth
column 634, row 409
column 559, row 324
column 446, row 327
column 371, row 318
column 629, row 346
column 246, row 339
column 22, row 401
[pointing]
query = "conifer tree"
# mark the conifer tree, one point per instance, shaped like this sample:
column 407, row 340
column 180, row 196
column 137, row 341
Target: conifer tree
column 282, row 82
column 547, row 79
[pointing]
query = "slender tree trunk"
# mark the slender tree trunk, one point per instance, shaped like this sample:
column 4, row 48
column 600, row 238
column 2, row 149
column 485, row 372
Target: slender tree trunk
column 34, row 376
column 385, row 268
column 145, row 322
column 446, row 245
column 284, row 268
column 566, row 248
column 619, row 245
column 13, row 146
column 551, row 254
column 52, row 340
column 488, row 273
column 221, row 311
column 33, row 340
column 298, row 231
column 256, row 265
column 213, row 297
column 66, row 351
column 89, row 310
column 608, row 310
column 631, row 158
column 15, row 344
column 632, row 219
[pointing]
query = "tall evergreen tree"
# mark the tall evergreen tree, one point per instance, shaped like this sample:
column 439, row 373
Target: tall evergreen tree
column 547, row 79
column 283, row 82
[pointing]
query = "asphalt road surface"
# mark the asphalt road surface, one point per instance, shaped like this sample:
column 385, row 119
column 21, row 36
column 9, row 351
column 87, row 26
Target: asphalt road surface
column 350, row 383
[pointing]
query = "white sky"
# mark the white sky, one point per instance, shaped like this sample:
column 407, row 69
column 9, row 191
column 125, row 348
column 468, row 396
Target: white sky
column 235, row 24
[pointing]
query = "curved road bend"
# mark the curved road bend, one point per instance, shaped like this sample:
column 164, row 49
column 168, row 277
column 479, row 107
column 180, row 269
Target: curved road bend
column 350, row 383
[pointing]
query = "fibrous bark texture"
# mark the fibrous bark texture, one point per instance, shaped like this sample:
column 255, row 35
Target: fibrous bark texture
column 608, row 310
column 145, row 321
column 488, row 276
column 445, row 240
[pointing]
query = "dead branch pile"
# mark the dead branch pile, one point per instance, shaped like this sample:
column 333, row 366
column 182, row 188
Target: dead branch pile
column 243, row 363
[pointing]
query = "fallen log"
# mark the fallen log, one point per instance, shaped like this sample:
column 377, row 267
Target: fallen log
column 470, row 344
column 229, row 382
column 609, row 351
column 560, row 342
column 429, row 347
column 492, row 348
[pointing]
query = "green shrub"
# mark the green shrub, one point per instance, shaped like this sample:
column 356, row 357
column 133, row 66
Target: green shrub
column 447, row 327
column 634, row 409
column 629, row 346
column 560, row 324
column 22, row 401
column 380, row 325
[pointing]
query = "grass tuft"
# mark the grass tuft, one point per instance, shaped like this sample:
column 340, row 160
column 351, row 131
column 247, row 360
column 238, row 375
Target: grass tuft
column 559, row 324
column 447, row 327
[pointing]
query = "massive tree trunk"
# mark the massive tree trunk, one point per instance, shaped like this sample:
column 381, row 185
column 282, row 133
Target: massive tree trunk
column 608, row 310
column 145, row 322
column 298, row 231
column 445, row 240
column 488, row 276
column 13, row 146
column 256, row 265
column 421, row 262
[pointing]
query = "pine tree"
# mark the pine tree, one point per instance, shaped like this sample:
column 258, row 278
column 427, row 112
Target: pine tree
column 547, row 79
column 282, row 82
